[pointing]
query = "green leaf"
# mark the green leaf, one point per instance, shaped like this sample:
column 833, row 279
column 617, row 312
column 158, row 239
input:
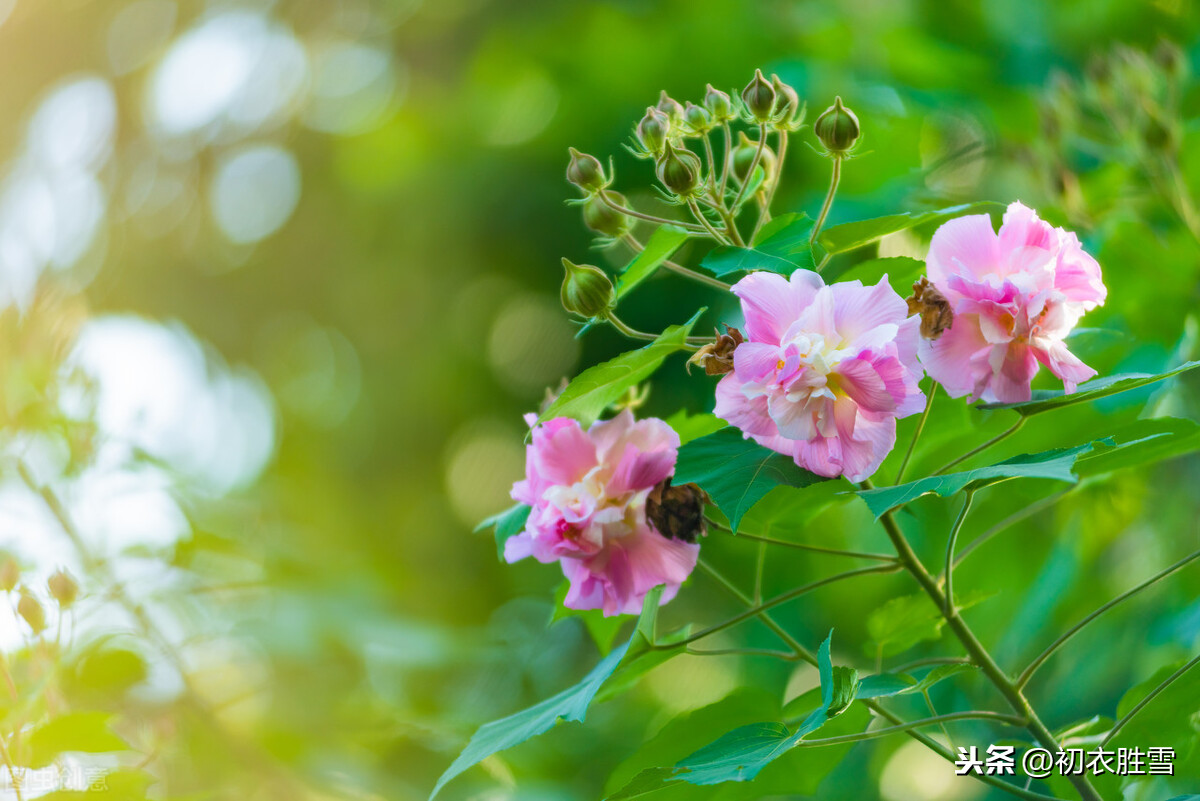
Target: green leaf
column 665, row 240
column 85, row 732
column 850, row 236
column 736, row 472
column 901, row 271
column 903, row 622
column 1044, row 400
column 647, row 622
column 883, row 685
column 593, row 390
column 787, row 237
column 1145, row 442
column 569, row 705
column 694, row 426
column 508, row 523
column 1054, row 464
column 647, row 781
column 727, row 259
column 603, row 630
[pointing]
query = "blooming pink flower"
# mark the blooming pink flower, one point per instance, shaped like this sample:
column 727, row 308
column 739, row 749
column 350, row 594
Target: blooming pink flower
column 1015, row 298
column 588, row 490
column 825, row 373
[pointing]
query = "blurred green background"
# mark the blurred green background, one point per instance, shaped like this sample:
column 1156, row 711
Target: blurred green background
column 281, row 278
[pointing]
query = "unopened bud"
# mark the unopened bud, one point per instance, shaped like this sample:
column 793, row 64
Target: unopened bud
column 787, row 102
column 759, row 97
column 679, row 170
column 32, row 612
column 718, row 104
column 670, row 106
column 10, row 574
column 697, row 119
column 586, row 172
column 743, row 157
column 63, row 588
column 653, row 129
column 586, row 290
column 837, row 128
column 602, row 218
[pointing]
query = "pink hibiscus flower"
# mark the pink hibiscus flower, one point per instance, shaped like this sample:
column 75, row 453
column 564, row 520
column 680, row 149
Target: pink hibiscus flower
column 588, row 491
column 825, row 372
column 1015, row 297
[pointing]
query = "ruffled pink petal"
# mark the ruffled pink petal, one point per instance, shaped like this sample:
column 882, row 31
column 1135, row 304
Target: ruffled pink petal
column 793, row 420
column 1013, row 369
column 963, row 246
column 865, row 449
column 771, row 302
column 861, row 381
column 956, row 360
column 858, row 309
column 561, row 452
column 1064, row 364
column 638, row 469
column 518, row 547
column 1023, row 228
column 751, row 415
column 755, row 361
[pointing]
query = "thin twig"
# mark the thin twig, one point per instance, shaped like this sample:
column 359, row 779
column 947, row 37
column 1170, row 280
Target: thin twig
column 878, row 557
column 834, row 179
column 951, row 541
column 917, row 434
column 648, row 217
column 1016, row 517
column 1167, row 682
column 638, row 247
column 998, row 438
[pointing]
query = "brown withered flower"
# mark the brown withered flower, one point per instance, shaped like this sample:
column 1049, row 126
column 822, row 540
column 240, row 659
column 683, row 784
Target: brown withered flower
column 928, row 301
column 717, row 356
column 677, row 512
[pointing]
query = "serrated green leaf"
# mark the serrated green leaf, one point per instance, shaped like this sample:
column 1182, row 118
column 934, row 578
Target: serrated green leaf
column 85, row 732
column 662, row 244
column 1045, row 400
column 853, row 235
column 569, row 705
column 901, row 271
column 728, row 259
column 507, row 524
column 596, row 388
column 736, row 472
column 694, row 426
column 1055, row 464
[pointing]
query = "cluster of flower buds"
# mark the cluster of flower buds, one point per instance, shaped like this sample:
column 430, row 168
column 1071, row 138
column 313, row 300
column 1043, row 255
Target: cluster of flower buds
column 61, row 586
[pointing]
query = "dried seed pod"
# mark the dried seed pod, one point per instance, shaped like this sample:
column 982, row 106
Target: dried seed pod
column 928, row 301
column 677, row 512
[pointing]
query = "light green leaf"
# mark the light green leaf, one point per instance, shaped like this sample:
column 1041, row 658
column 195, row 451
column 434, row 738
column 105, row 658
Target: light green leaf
column 883, row 685
column 593, row 390
column 727, row 259
column 665, row 240
column 85, row 732
column 603, row 630
column 736, row 472
column 647, row 622
column 645, row 782
column 694, row 426
column 787, row 236
column 1145, row 442
column 901, row 271
column 569, row 705
column 850, row 236
column 507, row 524
column 1044, row 400
column 903, row 622
column 1055, row 464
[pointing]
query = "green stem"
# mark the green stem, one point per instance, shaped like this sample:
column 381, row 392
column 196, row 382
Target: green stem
column 998, row 438
column 762, row 143
column 1012, row 519
column 699, row 215
column 978, row 653
column 725, row 165
column 638, row 247
column 834, row 179
column 878, row 557
column 1028, row 672
column 633, row 333
column 917, row 434
column 942, row 723
column 931, row 660
column 951, row 541
column 789, row 656
column 1167, row 682
column 1011, row 720
column 764, row 216
column 648, row 217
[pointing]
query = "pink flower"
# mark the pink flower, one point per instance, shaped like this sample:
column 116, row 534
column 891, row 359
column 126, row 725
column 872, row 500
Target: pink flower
column 588, row 492
column 825, row 373
column 1015, row 298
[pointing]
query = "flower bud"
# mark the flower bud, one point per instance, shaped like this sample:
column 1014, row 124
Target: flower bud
column 653, row 129
column 743, row 156
column 586, row 290
column 670, row 106
column 63, row 588
column 718, row 104
column 679, row 170
column 787, row 102
column 602, row 218
column 697, row 119
column 837, row 128
column 759, row 97
column 32, row 612
column 586, row 172
column 10, row 573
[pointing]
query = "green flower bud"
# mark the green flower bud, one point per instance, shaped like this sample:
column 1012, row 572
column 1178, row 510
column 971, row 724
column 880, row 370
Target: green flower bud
column 743, row 156
column 679, row 170
column 670, row 106
column 586, row 172
column 32, row 612
column 63, row 588
column 787, row 102
column 653, row 130
column 837, row 128
column 718, row 104
column 10, row 574
column 603, row 218
column 697, row 119
column 759, row 97
column 586, row 290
